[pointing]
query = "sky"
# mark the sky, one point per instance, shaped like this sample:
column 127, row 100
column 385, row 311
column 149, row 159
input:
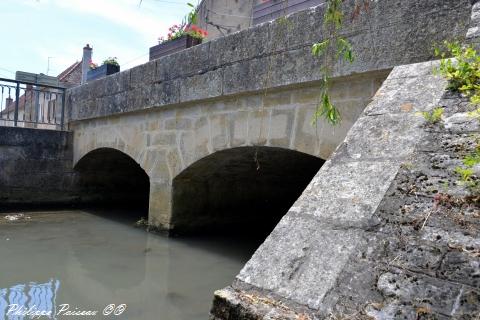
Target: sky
column 34, row 30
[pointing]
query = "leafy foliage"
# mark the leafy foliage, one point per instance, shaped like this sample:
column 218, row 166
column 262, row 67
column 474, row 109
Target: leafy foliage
column 434, row 116
column 463, row 73
column 472, row 159
column 111, row 61
column 187, row 27
column 466, row 173
column 331, row 50
column 192, row 16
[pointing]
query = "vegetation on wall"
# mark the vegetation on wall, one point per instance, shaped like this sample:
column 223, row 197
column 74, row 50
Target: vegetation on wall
column 434, row 116
column 463, row 71
column 463, row 74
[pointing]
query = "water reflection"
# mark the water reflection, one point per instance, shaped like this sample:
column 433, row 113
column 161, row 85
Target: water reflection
column 21, row 301
column 100, row 262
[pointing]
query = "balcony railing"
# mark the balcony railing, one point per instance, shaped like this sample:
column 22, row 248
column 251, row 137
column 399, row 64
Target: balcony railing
column 31, row 105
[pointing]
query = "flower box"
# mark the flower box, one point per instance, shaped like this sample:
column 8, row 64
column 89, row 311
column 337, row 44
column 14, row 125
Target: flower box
column 102, row 71
column 173, row 46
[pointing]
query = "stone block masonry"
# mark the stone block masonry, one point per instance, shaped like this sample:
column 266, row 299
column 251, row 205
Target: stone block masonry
column 275, row 55
column 377, row 233
column 166, row 141
column 173, row 112
column 35, row 167
column 211, row 96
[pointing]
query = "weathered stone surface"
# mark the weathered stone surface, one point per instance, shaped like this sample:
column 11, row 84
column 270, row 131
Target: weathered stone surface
column 310, row 254
column 423, row 253
column 202, row 86
column 276, row 119
column 473, row 33
column 333, row 251
column 36, row 167
column 278, row 54
column 350, row 192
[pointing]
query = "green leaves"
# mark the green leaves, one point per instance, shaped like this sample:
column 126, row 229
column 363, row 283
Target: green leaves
column 344, row 50
column 319, row 48
column 327, row 110
column 463, row 73
column 472, row 159
column 332, row 49
column 112, row 61
column 465, row 174
column 433, row 116
column 334, row 13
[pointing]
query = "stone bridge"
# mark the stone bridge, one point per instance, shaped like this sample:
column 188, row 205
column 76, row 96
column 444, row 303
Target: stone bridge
column 220, row 134
column 235, row 113
column 224, row 139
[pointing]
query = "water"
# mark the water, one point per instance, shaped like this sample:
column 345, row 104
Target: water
column 86, row 262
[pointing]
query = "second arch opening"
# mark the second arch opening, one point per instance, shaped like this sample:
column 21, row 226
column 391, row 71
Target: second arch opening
column 240, row 190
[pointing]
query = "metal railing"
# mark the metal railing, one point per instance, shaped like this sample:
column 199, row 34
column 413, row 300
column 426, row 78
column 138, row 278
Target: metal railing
column 31, row 105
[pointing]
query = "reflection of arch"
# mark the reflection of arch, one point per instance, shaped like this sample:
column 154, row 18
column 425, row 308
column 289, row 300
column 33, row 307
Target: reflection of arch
column 251, row 187
column 99, row 259
column 111, row 177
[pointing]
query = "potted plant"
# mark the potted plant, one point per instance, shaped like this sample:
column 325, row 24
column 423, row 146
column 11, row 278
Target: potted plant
column 108, row 67
column 179, row 37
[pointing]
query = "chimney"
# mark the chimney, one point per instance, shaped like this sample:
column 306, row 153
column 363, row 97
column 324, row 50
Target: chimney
column 86, row 59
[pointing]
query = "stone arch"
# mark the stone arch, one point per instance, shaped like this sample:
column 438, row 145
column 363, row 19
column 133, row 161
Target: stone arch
column 109, row 177
column 245, row 187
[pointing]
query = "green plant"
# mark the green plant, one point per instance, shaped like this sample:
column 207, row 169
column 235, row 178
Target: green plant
column 334, row 48
column 192, row 16
column 466, row 173
column 472, row 159
column 187, row 27
column 111, row 61
column 434, row 116
column 463, row 73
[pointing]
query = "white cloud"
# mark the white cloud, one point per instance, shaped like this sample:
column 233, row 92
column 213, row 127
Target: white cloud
column 123, row 12
column 145, row 24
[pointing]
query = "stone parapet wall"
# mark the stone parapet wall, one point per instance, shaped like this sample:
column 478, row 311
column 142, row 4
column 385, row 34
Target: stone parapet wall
column 275, row 54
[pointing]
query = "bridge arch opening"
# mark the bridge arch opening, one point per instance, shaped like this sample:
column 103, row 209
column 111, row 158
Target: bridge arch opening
column 108, row 179
column 244, row 190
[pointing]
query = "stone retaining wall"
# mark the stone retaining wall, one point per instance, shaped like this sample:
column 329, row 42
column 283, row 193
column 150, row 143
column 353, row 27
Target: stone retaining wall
column 35, row 167
column 338, row 240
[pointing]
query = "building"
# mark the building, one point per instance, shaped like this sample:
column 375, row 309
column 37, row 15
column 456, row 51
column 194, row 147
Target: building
column 40, row 107
column 220, row 17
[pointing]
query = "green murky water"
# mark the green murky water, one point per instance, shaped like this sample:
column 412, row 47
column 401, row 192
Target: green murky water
column 87, row 263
